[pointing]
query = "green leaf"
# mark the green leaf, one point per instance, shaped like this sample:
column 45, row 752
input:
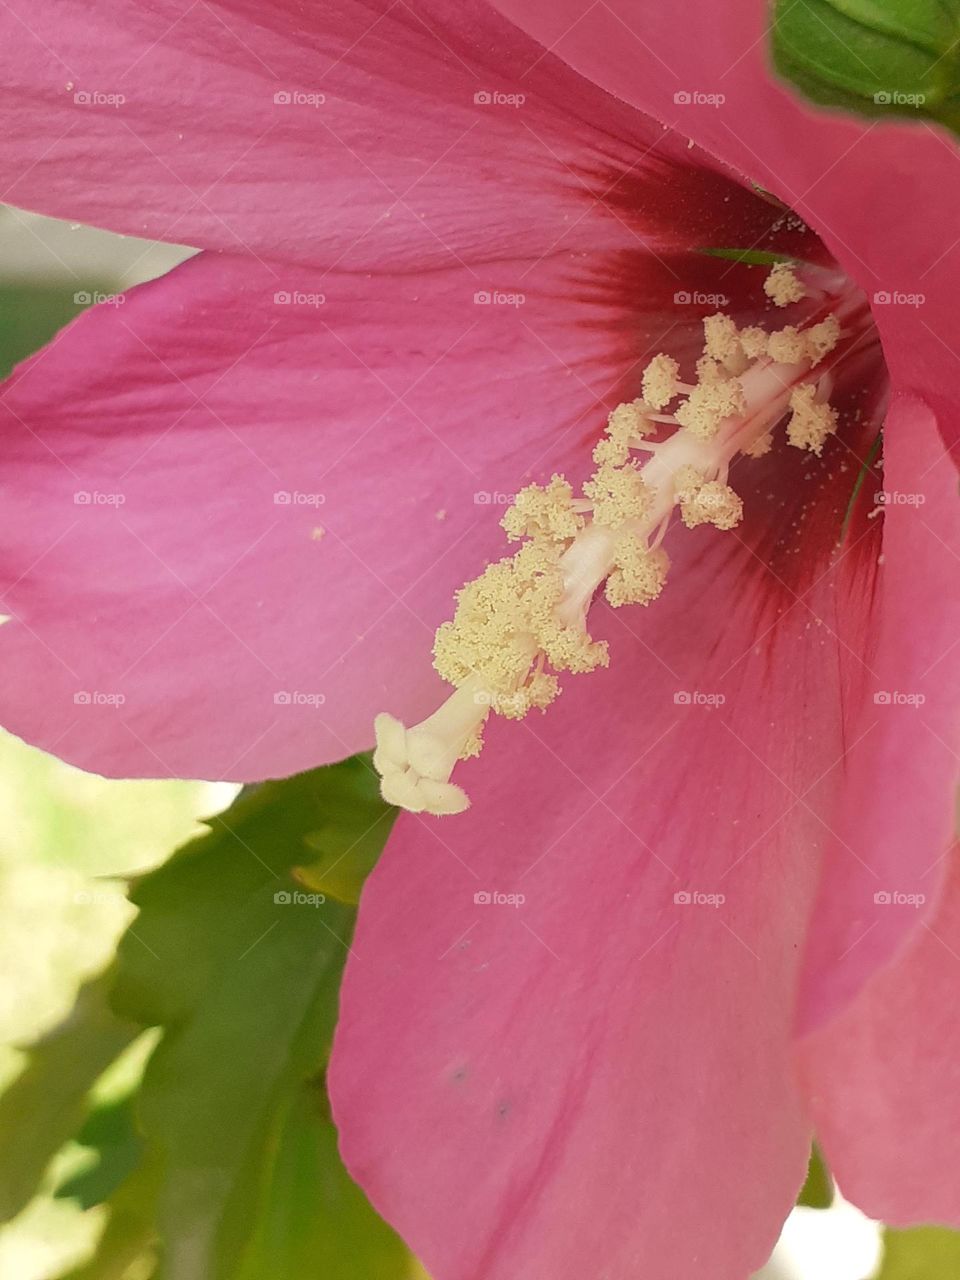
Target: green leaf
column 342, row 858
column 45, row 1106
column 314, row 1221
column 30, row 316
column 751, row 257
column 864, row 470
column 240, row 964
column 219, row 1161
column 881, row 58
column 924, row 1253
column 817, row 1191
column 116, row 1149
column 126, row 1250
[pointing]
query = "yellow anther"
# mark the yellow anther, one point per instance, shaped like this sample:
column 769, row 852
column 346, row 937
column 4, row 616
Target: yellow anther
column 759, row 447
column 660, row 381
column 754, row 340
column 722, row 342
column 610, row 453
column 712, row 503
column 618, row 495
column 492, row 636
column 686, row 481
column 629, row 421
column 782, row 285
column 787, row 345
column 822, row 338
column 571, row 649
column 813, row 420
column 710, row 370
column 538, row 692
column 708, row 404
column 543, row 511
column 626, row 427
column 639, row 574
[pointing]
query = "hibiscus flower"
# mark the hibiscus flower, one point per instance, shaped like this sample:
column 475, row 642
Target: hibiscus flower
column 439, row 245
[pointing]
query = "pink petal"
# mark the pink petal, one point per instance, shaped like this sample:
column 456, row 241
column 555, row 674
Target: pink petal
column 199, row 602
column 882, row 1079
column 431, row 143
column 562, row 1088
column 195, row 626
column 880, row 195
column 881, row 1075
column 896, row 239
column 246, row 635
column 896, row 819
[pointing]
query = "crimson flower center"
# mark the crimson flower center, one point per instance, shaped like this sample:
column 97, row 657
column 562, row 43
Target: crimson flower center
column 665, row 454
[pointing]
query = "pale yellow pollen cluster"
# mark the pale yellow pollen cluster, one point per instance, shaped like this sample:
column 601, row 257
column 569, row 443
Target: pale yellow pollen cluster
column 492, row 633
column 722, row 342
column 626, row 427
column 708, row 404
column 753, row 340
column 571, row 649
column 660, row 380
column 710, row 370
column 618, row 494
column 524, row 618
column 791, row 345
column 543, row 511
column 639, row 574
column 812, row 421
column 822, row 338
column 787, row 346
column 686, row 481
column 760, row 447
column 704, row 501
column 629, row 422
column 782, row 286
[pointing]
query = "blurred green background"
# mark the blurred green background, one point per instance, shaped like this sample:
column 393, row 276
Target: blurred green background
column 66, row 838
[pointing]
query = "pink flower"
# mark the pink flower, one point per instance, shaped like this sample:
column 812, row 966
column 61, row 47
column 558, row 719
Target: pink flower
column 239, row 502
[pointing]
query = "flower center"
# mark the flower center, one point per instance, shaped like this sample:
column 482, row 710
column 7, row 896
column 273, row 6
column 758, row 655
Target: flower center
column 524, row 619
